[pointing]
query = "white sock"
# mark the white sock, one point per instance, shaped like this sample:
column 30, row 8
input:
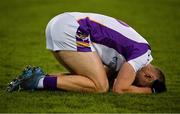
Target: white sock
column 40, row 84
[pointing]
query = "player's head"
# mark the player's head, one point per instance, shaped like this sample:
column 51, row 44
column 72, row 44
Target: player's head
column 147, row 75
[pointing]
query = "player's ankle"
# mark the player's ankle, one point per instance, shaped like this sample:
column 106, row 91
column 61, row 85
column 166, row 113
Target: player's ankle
column 47, row 82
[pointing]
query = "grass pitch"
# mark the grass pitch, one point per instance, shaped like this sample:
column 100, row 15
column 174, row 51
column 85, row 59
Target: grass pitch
column 22, row 42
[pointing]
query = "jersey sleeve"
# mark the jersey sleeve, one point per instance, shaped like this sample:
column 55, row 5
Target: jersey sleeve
column 141, row 61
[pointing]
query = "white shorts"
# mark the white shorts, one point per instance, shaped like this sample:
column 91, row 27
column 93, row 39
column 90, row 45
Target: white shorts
column 61, row 33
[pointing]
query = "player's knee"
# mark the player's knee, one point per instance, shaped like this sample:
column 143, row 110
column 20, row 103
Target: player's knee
column 102, row 87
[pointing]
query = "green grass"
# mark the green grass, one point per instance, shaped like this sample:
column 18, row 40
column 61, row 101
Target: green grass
column 22, row 42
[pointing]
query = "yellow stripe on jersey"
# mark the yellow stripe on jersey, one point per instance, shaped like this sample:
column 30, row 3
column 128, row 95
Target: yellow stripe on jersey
column 82, row 44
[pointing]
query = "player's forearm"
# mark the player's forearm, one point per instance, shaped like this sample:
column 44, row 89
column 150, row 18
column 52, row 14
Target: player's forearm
column 134, row 89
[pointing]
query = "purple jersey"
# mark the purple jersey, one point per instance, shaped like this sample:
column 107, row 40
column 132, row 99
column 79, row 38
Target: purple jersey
column 96, row 29
column 113, row 34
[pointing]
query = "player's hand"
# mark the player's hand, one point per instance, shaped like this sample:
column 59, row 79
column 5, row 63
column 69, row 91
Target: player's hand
column 158, row 87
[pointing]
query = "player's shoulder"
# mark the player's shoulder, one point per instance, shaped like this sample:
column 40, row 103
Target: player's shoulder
column 141, row 61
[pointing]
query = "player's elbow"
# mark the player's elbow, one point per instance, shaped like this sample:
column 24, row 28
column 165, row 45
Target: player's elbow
column 119, row 90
